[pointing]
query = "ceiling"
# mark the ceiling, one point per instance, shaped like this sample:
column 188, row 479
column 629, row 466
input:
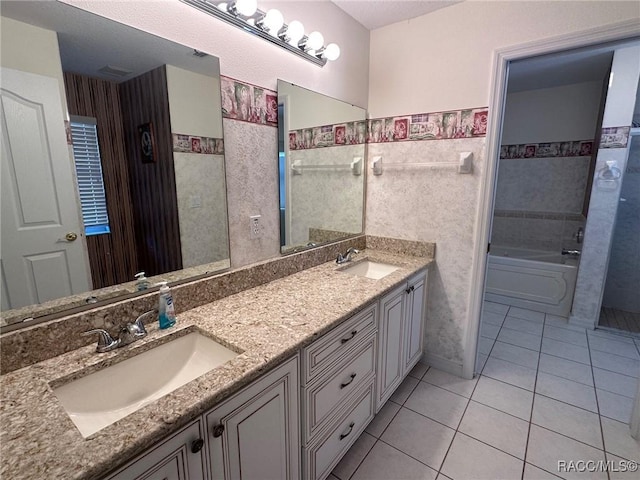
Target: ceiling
column 564, row 68
column 374, row 14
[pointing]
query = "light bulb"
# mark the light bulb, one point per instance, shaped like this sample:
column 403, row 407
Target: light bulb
column 273, row 21
column 331, row 52
column 295, row 31
column 315, row 41
column 246, row 7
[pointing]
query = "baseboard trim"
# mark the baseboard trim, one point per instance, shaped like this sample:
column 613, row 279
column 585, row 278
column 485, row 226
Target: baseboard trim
column 441, row 363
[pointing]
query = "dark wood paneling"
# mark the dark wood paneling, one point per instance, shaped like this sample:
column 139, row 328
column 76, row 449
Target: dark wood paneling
column 112, row 256
column 145, row 99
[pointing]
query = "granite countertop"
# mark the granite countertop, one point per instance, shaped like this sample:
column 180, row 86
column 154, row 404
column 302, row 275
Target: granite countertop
column 268, row 324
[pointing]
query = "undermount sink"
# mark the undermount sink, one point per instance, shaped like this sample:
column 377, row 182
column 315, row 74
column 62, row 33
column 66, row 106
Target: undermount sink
column 370, row 269
column 104, row 397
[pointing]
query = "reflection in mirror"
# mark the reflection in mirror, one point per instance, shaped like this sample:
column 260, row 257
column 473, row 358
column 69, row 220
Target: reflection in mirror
column 321, row 163
column 137, row 181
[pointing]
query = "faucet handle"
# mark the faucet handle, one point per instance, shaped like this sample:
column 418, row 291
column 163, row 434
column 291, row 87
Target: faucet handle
column 105, row 341
column 140, row 325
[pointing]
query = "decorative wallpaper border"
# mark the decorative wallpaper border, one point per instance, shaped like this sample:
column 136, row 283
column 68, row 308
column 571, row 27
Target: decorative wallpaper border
column 568, row 148
column 468, row 123
column 248, row 103
column 615, row 137
column 350, row 133
column 196, row 144
column 452, row 124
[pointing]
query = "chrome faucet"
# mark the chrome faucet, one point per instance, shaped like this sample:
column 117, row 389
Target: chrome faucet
column 128, row 334
column 347, row 256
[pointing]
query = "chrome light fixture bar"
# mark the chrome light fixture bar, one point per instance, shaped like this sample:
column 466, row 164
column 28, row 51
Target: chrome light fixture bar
column 254, row 24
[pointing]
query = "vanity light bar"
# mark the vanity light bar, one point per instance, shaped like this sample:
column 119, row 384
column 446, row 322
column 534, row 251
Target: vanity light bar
column 254, row 24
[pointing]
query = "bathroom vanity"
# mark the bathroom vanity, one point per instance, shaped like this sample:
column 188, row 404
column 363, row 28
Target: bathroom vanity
column 318, row 354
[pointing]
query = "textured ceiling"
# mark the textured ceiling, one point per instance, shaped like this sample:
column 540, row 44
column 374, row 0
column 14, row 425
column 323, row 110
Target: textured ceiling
column 374, row 14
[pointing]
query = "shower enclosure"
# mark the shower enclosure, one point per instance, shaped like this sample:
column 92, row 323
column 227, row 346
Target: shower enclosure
column 621, row 300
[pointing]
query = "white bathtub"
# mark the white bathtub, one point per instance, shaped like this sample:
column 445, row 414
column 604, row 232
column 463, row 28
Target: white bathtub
column 533, row 279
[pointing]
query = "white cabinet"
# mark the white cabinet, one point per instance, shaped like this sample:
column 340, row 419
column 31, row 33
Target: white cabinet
column 338, row 398
column 414, row 326
column 254, row 435
column 179, row 457
column 400, row 335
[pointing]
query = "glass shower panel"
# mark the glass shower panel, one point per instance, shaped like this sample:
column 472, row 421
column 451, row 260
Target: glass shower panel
column 621, row 300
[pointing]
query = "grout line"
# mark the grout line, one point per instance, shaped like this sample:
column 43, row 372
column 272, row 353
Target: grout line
column 411, row 456
column 378, row 439
column 604, row 445
column 533, row 401
column 361, row 461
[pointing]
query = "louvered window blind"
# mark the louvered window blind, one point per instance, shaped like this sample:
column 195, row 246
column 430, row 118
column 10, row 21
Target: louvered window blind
column 86, row 152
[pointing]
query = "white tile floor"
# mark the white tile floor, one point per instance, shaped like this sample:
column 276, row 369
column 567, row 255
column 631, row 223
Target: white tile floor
column 547, row 392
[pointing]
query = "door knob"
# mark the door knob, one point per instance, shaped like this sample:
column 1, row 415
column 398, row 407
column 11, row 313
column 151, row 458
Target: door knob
column 71, row 236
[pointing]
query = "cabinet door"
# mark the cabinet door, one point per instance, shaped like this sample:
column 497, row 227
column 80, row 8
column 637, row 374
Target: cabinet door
column 180, row 457
column 254, row 435
column 414, row 324
column 390, row 343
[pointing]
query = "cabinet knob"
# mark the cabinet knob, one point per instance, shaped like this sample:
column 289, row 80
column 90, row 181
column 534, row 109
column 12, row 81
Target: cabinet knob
column 218, row 430
column 197, row 445
column 410, row 289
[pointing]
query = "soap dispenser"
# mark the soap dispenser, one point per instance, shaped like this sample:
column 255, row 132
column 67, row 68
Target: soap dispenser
column 166, row 312
column 142, row 283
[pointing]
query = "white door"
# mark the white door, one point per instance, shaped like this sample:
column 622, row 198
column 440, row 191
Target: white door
column 40, row 260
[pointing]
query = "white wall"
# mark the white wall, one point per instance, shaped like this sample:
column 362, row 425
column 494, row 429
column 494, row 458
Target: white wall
column 32, row 49
column 194, row 103
column 308, row 109
column 553, row 114
column 438, row 62
column 444, row 58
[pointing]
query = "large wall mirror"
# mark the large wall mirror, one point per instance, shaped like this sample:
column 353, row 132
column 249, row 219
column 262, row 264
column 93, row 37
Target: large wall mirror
column 322, row 168
column 134, row 182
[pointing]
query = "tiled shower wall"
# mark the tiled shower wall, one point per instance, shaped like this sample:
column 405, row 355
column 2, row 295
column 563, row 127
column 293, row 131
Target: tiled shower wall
column 539, row 201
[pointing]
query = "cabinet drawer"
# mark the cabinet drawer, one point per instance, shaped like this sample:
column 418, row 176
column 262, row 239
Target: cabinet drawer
column 330, row 348
column 325, row 397
column 322, row 456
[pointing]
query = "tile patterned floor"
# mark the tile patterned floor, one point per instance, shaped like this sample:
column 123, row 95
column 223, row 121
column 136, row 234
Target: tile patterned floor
column 548, row 392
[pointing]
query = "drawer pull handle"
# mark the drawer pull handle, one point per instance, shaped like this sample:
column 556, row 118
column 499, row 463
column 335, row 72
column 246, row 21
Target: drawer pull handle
column 345, row 435
column 353, row 334
column 197, row 445
column 218, row 430
column 343, row 385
